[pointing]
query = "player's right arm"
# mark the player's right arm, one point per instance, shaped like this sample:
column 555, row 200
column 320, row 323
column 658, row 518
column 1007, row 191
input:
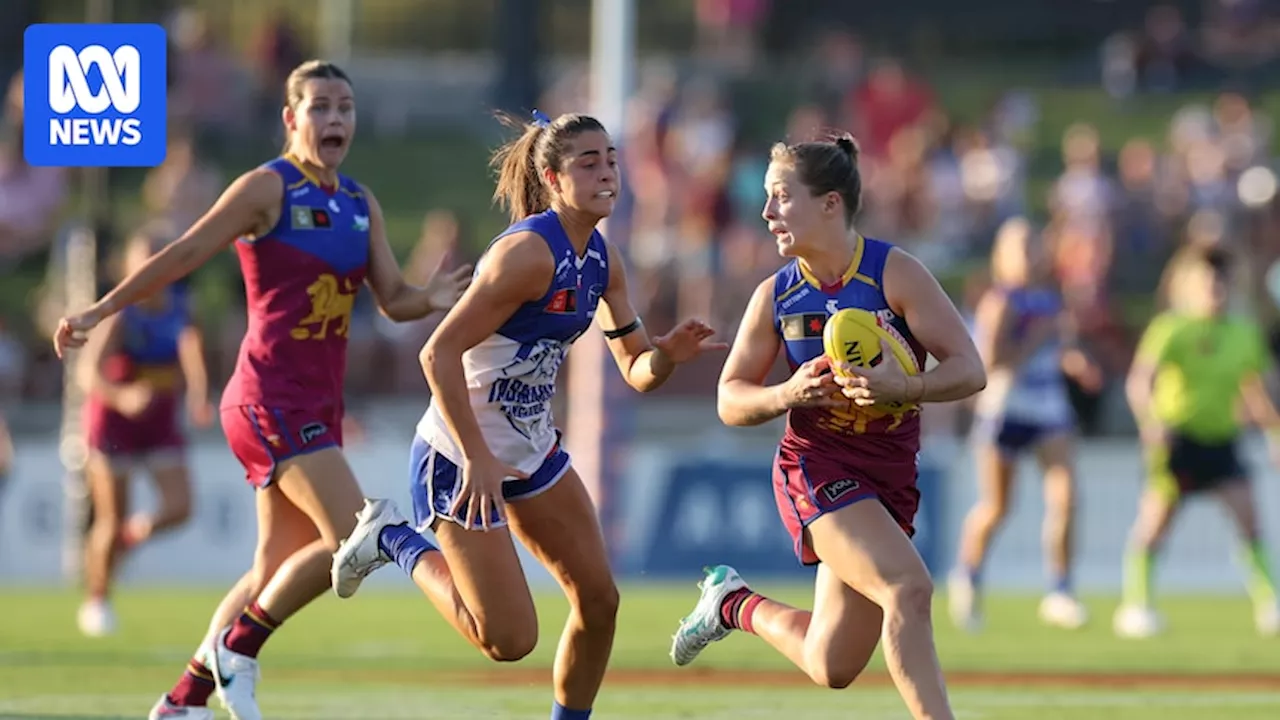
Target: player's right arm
column 517, row 269
column 250, row 206
column 1154, row 349
column 742, row 398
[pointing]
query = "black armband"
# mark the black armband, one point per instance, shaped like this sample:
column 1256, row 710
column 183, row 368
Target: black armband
column 623, row 331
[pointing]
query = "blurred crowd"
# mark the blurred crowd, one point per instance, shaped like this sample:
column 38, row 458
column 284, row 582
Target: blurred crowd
column 936, row 185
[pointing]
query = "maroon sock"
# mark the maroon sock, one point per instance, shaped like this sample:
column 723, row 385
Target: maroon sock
column 250, row 631
column 194, row 687
column 738, row 608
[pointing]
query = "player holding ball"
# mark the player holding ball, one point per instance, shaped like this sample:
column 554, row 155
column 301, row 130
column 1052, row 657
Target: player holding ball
column 845, row 472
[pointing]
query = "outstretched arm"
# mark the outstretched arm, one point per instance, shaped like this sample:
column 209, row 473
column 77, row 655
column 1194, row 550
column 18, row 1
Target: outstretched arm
column 645, row 363
column 397, row 299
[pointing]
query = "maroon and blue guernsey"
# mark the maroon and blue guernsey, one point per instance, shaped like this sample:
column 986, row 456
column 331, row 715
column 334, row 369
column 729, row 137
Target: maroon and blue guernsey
column 301, row 281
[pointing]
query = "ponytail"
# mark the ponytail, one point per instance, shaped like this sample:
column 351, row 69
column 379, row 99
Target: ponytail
column 520, row 190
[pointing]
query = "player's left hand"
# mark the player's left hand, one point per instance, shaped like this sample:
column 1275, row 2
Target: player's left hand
column 882, row 384
column 444, row 288
column 688, row 340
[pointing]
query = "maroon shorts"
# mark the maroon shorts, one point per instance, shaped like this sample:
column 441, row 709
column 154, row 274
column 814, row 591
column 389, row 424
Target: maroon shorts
column 261, row 437
column 118, row 436
column 806, row 487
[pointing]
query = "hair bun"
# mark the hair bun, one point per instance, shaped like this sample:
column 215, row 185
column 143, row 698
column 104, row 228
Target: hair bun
column 849, row 146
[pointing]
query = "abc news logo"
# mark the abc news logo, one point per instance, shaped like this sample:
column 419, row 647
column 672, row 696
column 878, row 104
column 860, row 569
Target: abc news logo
column 95, row 95
column 121, row 90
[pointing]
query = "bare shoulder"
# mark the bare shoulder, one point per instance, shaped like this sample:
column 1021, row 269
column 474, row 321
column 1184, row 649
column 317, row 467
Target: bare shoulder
column 259, row 184
column 520, row 261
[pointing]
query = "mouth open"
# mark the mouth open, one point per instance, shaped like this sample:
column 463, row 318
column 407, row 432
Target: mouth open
column 333, row 142
column 606, row 194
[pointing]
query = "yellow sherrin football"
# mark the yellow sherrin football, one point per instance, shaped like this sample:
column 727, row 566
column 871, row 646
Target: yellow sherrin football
column 853, row 336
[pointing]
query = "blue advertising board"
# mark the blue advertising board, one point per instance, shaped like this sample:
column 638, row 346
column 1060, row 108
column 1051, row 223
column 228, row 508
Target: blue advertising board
column 722, row 512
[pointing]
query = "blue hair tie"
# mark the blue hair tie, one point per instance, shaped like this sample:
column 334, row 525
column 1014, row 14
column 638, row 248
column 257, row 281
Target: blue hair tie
column 540, row 118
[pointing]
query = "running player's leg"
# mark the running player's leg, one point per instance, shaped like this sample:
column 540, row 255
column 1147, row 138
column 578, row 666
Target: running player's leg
column 559, row 526
column 997, row 465
column 168, row 470
column 867, row 549
column 831, row 644
column 1136, row 616
column 109, row 492
column 1237, row 496
column 474, row 578
column 1056, row 454
column 321, row 485
column 283, row 529
column 477, row 583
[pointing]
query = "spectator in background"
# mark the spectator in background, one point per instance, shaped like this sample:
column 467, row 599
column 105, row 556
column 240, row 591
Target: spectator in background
column 204, row 94
column 888, row 101
column 30, row 197
column 728, row 30
column 1081, row 242
column 1164, row 56
column 439, row 244
column 1140, row 227
column 182, row 188
column 837, row 66
column 1243, row 133
column 701, row 144
column 276, row 50
column 1240, row 34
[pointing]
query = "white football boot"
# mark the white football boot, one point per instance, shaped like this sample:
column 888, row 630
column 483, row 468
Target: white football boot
column 165, row 710
column 704, row 625
column 1059, row 609
column 360, row 554
column 237, row 678
column 1137, row 622
column 96, row 618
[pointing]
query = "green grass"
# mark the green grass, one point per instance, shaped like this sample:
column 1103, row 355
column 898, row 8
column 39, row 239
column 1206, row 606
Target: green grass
column 387, row 655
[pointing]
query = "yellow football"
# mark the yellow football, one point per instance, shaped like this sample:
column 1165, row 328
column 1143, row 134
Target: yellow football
column 853, row 336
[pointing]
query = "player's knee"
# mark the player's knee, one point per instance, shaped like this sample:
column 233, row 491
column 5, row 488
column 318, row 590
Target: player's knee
column 910, row 596
column 106, row 526
column 176, row 510
column 598, row 607
column 508, row 644
column 836, row 673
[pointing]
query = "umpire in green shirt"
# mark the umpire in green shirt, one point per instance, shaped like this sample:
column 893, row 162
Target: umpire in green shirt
column 1196, row 369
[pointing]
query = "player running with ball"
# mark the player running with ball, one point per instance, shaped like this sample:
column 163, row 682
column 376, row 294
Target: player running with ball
column 838, row 452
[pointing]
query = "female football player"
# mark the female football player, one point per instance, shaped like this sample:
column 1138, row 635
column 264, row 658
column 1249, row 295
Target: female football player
column 845, row 471
column 1027, row 344
column 307, row 237
column 487, row 451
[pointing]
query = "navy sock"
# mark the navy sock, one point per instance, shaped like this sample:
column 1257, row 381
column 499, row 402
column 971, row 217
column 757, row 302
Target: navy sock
column 1061, row 584
column 560, row 712
column 404, row 545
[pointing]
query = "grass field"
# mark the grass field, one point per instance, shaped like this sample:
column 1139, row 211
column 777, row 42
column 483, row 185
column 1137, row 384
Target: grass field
column 387, row 655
